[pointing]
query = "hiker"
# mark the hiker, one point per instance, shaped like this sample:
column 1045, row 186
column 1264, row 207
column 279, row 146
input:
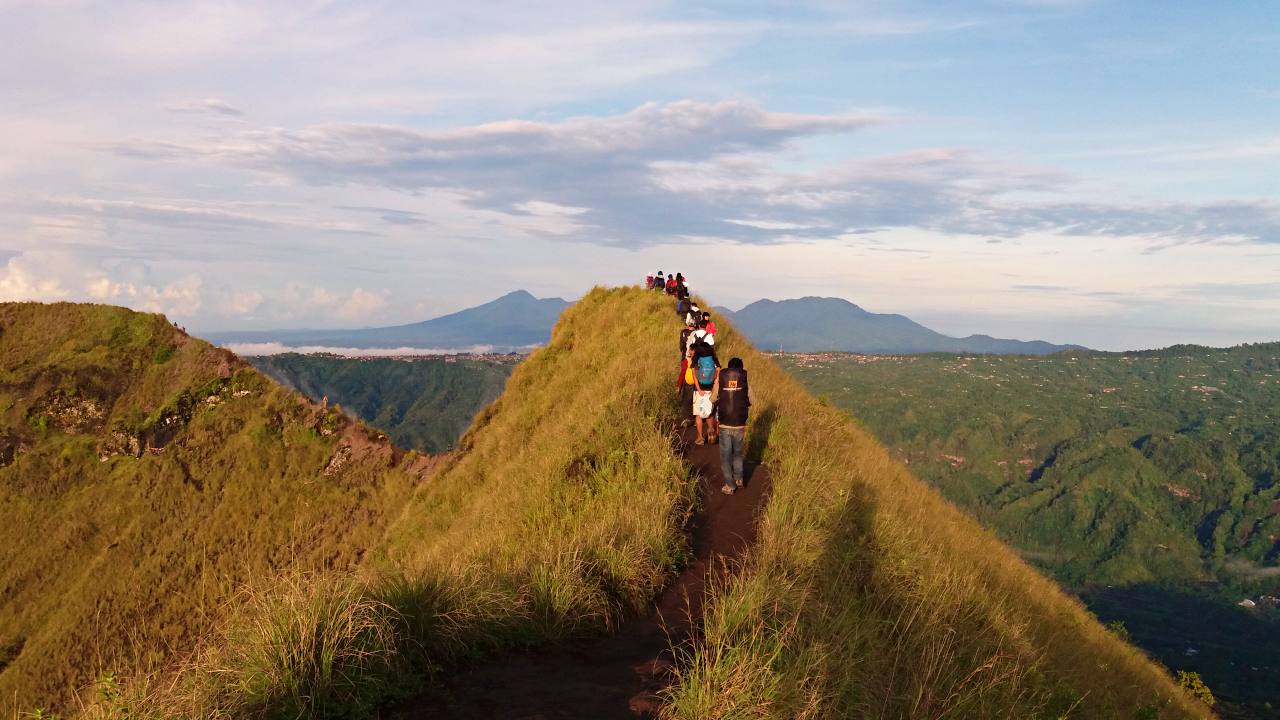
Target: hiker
column 680, row 286
column 658, row 282
column 648, row 282
column 689, row 327
column 732, row 396
column 709, row 324
column 694, row 315
column 682, row 306
column 684, row 386
column 706, row 368
column 671, row 285
column 700, row 334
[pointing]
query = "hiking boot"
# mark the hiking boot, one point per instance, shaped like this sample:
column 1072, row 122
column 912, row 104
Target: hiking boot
column 727, row 490
column 738, row 484
column 699, row 441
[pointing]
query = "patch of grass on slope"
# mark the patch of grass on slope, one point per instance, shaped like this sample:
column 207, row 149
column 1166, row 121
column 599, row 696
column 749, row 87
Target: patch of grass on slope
column 563, row 511
column 145, row 477
column 869, row 595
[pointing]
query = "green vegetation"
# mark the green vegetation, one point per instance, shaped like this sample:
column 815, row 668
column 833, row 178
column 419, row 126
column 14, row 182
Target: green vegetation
column 335, row 577
column 1171, row 458
column 1153, row 470
column 559, row 516
column 423, row 404
column 137, row 497
column 871, row 596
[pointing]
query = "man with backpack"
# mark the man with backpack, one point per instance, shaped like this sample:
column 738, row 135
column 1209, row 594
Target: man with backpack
column 732, row 396
column 682, row 305
column 659, row 283
column 706, row 368
column 700, row 333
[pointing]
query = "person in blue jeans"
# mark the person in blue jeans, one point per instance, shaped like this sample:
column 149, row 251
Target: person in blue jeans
column 732, row 396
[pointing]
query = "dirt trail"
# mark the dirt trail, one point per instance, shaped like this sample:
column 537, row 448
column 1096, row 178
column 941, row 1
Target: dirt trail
column 618, row 676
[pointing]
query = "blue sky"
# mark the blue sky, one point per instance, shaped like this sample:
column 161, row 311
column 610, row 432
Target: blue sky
column 1094, row 172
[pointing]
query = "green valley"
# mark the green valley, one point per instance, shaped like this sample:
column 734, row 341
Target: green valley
column 422, row 403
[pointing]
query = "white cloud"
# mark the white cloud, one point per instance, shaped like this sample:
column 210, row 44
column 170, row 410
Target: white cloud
column 18, row 283
column 206, row 106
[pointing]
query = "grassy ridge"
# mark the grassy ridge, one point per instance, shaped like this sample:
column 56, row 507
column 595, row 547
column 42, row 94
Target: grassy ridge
column 145, row 477
column 871, row 596
column 563, row 511
column 868, row 595
column 571, row 467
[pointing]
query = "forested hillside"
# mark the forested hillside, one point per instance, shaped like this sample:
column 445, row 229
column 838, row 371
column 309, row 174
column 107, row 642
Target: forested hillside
column 421, row 403
column 1149, row 470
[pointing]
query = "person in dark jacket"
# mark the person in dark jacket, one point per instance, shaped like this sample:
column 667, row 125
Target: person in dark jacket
column 732, row 396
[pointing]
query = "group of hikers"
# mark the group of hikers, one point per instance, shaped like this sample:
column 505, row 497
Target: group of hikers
column 714, row 399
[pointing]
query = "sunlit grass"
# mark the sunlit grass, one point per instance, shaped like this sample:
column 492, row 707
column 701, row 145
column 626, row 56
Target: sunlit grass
column 869, row 595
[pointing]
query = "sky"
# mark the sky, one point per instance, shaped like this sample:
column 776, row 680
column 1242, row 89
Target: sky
column 1102, row 173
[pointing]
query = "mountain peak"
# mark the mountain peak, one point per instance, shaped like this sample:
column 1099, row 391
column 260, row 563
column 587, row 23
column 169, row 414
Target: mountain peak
column 517, row 295
column 815, row 324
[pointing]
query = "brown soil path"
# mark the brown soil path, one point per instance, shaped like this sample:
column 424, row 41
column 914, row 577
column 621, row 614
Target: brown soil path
column 618, row 676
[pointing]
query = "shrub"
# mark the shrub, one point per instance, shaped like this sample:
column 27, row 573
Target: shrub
column 1194, row 685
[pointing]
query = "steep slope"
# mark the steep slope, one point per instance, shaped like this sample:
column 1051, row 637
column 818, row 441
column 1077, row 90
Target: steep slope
column 423, row 404
column 145, row 476
column 515, row 320
column 871, row 596
column 814, row 324
column 561, row 513
column 1146, row 480
column 866, row 596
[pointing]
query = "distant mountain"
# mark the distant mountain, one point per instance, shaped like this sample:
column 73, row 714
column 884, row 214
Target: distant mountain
column 814, row 324
column 515, row 320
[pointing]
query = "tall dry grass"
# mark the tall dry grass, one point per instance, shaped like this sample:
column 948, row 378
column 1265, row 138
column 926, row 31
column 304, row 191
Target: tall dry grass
column 870, row 596
column 563, row 511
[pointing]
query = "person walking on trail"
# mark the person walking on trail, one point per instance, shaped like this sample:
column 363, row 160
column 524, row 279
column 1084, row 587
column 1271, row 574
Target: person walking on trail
column 671, row 284
column 648, row 282
column 684, row 386
column 732, row 396
column 700, row 334
column 658, row 281
column 709, row 324
column 682, row 306
column 689, row 327
column 694, row 315
column 706, row 368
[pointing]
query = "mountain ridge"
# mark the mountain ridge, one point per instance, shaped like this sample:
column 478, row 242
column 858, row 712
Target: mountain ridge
column 517, row 320
column 562, row 512
column 831, row 324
